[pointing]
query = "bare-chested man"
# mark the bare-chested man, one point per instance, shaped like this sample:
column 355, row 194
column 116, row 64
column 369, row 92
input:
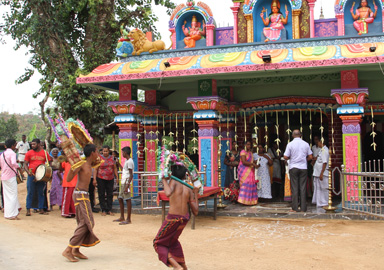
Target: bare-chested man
column 83, row 235
column 166, row 242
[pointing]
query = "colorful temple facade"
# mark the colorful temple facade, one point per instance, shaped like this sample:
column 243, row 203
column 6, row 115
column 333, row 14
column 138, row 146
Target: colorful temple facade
column 277, row 69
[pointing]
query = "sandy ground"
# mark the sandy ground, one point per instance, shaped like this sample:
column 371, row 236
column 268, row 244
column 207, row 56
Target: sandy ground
column 36, row 242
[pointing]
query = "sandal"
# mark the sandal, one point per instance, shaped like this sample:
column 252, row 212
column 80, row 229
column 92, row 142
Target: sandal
column 43, row 213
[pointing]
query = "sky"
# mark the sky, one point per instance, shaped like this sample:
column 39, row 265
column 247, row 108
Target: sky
column 18, row 98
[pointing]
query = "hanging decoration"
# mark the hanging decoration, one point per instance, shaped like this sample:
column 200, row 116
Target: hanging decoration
column 289, row 131
column 256, row 128
column 220, row 137
column 245, row 128
column 228, row 144
column 194, row 139
column 235, row 114
column 177, row 136
column 333, row 132
column 373, row 133
column 170, row 134
column 310, row 128
column 321, row 126
column 184, row 150
column 301, row 122
column 266, row 133
column 278, row 151
column 138, row 135
column 157, row 132
column 164, row 140
column 145, row 137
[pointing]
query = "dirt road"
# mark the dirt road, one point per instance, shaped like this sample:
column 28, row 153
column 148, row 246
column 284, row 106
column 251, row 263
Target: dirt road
column 36, row 242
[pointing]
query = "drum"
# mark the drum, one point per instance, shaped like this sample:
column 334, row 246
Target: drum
column 43, row 173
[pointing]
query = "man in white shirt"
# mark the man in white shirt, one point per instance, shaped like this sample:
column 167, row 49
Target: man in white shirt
column 298, row 153
column 320, row 176
column 22, row 148
column 125, row 192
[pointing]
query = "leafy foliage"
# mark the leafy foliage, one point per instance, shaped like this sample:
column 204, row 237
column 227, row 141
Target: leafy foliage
column 8, row 128
column 67, row 38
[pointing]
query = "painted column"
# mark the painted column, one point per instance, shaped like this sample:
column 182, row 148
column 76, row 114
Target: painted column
column 249, row 19
column 227, row 134
column 206, row 117
column 296, row 23
column 235, row 11
column 311, row 4
column 210, row 34
column 127, row 119
column 340, row 24
column 173, row 37
column 351, row 112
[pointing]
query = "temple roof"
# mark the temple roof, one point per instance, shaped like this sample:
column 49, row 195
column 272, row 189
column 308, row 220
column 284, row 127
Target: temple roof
column 238, row 61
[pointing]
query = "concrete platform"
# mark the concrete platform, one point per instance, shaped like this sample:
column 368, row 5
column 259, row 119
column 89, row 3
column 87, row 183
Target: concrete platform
column 273, row 210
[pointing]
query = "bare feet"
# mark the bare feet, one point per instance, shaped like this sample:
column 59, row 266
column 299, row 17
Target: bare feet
column 42, row 212
column 119, row 220
column 79, row 255
column 125, row 222
column 110, row 213
column 292, row 211
column 28, row 213
column 103, row 213
column 13, row 218
column 68, row 254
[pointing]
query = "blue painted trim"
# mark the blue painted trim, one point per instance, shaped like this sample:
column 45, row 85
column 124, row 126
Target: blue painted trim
column 205, row 158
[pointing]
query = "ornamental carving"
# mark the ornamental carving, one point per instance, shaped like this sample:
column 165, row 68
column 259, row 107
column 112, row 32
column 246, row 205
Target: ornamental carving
column 127, row 107
column 350, row 96
column 207, row 103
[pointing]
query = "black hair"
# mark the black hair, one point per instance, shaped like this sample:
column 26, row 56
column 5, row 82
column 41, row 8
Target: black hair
column 127, row 150
column 106, row 146
column 36, row 141
column 115, row 152
column 23, row 135
column 9, row 143
column 89, row 149
column 178, row 171
column 360, row 6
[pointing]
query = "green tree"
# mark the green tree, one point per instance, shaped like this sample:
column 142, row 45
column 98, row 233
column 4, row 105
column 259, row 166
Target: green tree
column 66, row 38
column 8, row 128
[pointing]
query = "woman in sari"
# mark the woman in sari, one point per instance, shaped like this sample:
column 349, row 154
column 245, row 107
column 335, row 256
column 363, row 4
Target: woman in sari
column 246, row 172
column 56, row 192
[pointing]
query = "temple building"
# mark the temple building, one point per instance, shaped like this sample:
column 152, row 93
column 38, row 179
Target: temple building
column 275, row 70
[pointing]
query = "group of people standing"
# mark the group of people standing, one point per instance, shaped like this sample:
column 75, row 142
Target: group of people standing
column 259, row 172
column 61, row 191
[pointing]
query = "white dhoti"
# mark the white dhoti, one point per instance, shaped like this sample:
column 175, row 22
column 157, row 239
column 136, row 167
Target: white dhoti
column 11, row 201
column 21, row 157
column 320, row 193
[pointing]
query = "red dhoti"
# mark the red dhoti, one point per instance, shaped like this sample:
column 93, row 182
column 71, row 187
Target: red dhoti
column 166, row 242
column 68, row 207
column 83, row 235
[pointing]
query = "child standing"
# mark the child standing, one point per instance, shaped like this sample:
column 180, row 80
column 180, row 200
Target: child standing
column 126, row 180
column 166, row 243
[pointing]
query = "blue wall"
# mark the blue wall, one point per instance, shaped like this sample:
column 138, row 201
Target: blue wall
column 258, row 24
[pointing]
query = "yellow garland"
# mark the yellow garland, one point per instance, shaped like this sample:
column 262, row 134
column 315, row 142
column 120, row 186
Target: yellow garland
column 288, row 129
column 228, row 144
column 266, row 133
column 184, row 150
column 321, row 126
column 245, row 127
column 277, row 133
column 301, row 122
column 373, row 133
column 235, row 115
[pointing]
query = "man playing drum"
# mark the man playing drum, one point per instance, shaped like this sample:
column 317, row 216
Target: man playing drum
column 83, row 235
column 34, row 158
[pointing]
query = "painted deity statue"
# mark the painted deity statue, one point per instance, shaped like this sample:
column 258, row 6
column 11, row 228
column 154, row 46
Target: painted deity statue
column 193, row 33
column 364, row 16
column 275, row 21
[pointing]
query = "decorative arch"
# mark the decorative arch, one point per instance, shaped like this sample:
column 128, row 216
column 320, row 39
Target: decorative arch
column 250, row 4
column 183, row 11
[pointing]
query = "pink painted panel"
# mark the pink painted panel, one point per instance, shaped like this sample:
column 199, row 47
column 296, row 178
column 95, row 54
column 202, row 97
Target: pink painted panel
column 351, row 163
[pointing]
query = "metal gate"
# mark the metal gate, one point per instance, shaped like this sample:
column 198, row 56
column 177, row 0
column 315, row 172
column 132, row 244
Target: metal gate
column 364, row 191
column 146, row 186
